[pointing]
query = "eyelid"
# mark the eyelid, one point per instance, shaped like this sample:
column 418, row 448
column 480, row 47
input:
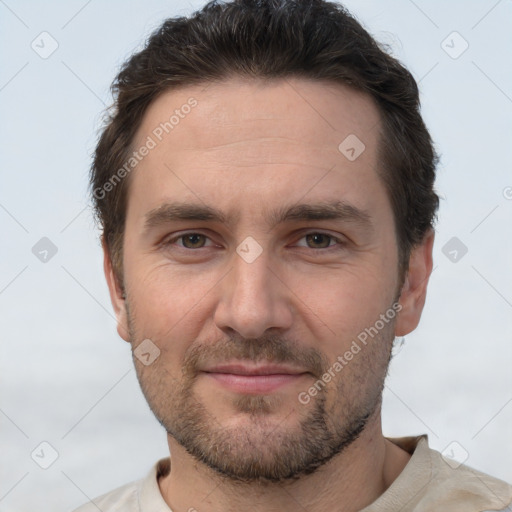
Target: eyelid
column 177, row 236
column 340, row 242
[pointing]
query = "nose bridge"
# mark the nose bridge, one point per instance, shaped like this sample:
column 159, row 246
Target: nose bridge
column 251, row 272
column 251, row 299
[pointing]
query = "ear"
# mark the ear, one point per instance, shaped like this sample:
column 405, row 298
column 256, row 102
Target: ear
column 116, row 295
column 414, row 289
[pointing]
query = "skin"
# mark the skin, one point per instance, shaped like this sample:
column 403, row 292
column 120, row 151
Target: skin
column 249, row 147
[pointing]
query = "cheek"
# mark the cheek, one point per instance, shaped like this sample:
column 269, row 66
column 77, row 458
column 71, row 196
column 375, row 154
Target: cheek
column 342, row 305
column 167, row 301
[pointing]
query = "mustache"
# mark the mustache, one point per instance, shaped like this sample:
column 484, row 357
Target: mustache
column 271, row 348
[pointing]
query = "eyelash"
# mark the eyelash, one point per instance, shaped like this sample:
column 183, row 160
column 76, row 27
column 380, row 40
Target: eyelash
column 337, row 246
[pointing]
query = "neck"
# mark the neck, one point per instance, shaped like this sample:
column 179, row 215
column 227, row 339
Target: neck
column 347, row 483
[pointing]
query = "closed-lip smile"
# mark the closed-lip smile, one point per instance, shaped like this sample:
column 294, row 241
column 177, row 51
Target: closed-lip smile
column 253, row 378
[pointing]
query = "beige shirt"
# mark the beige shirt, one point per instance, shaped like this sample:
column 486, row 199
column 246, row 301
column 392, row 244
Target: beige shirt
column 428, row 483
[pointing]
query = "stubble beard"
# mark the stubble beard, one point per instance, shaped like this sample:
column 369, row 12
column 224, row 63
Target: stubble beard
column 263, row 450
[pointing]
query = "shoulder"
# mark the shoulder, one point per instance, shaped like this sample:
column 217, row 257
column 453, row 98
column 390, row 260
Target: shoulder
column 461, row 487
column 123, row 498
column 430, row 482
column 139, row 496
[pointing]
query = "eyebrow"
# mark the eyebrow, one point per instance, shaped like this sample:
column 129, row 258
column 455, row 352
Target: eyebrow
column 328, row 210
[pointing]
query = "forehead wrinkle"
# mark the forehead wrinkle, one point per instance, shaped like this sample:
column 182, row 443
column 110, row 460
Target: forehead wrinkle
column 254, row 139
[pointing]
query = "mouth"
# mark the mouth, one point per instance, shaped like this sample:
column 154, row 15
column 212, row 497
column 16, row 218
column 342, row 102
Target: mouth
column 254, row 379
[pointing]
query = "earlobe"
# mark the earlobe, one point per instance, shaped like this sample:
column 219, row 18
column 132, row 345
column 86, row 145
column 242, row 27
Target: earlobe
column 117, row 295
column 414, row 289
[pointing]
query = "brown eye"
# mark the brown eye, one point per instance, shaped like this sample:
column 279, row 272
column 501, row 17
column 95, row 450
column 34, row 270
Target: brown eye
column 193, row 240
column 319, row 240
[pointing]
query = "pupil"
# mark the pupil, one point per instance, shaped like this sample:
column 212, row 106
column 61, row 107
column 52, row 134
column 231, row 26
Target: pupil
column 317, row 241
column 193, row 239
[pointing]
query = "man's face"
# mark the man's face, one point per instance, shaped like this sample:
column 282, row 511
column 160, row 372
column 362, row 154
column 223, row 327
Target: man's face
column 221, row 297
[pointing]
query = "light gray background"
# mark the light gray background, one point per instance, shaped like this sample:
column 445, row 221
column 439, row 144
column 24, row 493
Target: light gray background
column 68, row 379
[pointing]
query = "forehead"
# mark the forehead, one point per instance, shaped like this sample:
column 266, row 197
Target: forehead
column 310, row 110
column 257, row 138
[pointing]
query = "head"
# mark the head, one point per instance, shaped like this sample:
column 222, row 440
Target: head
column 264, row 184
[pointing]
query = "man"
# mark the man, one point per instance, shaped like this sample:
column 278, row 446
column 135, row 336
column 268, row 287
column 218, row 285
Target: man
column 265, row 189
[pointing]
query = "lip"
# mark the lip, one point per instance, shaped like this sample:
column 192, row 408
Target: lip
column 262, row 369
column 254, row 379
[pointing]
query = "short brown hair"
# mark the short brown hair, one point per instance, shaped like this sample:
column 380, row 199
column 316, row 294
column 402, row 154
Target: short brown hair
column 272, row 39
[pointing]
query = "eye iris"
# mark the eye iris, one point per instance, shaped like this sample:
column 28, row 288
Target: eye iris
column 193, row 238
column 316, row 236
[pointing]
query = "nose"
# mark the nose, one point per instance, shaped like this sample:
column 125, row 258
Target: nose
column 253, row 297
